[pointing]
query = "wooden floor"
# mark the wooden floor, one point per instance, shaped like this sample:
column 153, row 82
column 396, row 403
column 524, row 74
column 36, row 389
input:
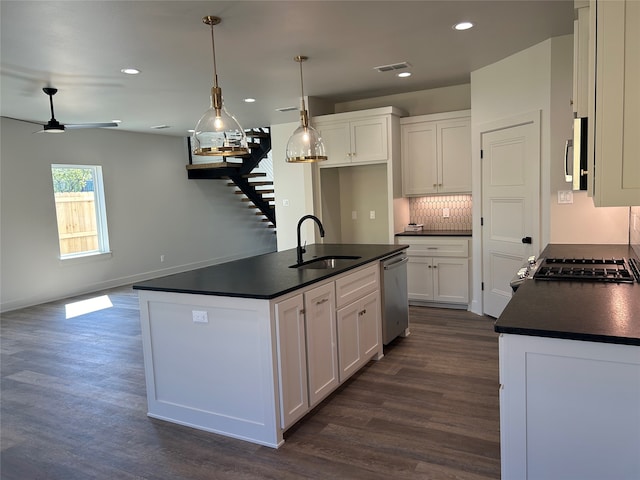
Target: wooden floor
column 74, row 407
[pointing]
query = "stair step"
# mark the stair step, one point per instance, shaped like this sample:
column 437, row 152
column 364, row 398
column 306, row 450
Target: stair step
column 255, row 184
column 198, row 166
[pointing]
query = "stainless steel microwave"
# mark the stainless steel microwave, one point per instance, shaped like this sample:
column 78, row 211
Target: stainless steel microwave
column 575, row 164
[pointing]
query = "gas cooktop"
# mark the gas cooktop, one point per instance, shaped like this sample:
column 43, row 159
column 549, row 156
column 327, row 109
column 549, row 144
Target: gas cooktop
column 612, row 270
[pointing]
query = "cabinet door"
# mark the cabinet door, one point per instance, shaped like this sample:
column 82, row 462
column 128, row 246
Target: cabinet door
column 454, row 155
column 616, row 163
column 369, row 140
column 419, row 159
column 292, row 360
column 337, row 143
column 321, row 342
column 451, row 280
column 420, row 279
column 370, row 325
column 349, row 340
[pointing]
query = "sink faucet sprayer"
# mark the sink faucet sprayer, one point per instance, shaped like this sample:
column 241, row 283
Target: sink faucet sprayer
column 300, row 249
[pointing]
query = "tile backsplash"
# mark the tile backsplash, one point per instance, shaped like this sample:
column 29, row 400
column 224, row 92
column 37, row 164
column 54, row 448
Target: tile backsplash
column 430, row 212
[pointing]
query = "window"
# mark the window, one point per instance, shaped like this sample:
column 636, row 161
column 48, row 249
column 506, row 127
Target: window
column 80, row 210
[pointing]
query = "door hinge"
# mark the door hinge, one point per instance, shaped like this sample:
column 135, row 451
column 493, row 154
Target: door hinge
column 482, row 286
column 481, row 221
column 481, row 154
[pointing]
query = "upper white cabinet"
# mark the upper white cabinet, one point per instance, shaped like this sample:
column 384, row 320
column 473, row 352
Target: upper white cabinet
column 356, row 137
column 436, row 153
column 580, row 99
column 614, row 103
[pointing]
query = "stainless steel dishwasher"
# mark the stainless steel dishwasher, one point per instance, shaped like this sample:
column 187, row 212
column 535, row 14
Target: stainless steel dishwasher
column 395, row 301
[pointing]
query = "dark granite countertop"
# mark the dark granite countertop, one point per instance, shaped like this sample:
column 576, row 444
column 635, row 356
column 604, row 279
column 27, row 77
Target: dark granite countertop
column 591, row 311
column 436, row 233
column 266, row 276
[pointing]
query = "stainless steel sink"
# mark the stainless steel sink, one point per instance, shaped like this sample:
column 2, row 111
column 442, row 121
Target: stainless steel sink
column 329, row 262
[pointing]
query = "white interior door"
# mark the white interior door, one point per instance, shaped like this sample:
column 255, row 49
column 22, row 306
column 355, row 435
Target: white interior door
column 510, row 207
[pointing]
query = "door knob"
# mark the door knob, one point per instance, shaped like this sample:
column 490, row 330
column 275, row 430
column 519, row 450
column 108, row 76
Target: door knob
column 526, row 240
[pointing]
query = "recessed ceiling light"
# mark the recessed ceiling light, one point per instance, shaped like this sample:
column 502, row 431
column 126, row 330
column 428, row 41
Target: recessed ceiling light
column 130, row 71
column 463, row 26
column 191, row 131
column 116, row 121
column 404, row 74
column 249, row 100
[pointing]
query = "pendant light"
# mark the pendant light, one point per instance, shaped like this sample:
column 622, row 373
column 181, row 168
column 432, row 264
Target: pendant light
column 305, row 144
column 218, row 133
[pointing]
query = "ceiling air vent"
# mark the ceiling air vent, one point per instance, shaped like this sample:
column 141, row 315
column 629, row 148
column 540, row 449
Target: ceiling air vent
column 392, row 67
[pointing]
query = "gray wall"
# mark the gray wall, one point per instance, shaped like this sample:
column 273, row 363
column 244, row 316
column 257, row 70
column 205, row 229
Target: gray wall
column 152, row 210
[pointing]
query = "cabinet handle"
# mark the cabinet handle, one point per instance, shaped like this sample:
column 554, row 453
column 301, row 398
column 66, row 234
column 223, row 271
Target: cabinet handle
column 432, row 248
column 428, row 266
column 435, row 266
column 435, row 185
column 320, row 302
column 362, row 312
column 302, row 312
column 439, row 184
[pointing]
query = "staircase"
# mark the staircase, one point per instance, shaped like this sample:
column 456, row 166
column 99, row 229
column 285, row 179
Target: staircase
column 252, row 186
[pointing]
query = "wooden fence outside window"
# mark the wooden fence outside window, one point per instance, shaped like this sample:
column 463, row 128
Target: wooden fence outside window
column 77, row 230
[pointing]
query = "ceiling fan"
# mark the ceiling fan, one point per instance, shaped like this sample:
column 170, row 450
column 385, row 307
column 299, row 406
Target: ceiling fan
column 53, row 126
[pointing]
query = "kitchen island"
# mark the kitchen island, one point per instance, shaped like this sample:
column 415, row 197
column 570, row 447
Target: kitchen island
column 570, row 375
column 247, row 348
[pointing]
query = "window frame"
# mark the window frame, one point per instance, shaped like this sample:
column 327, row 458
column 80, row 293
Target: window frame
column 100, row 211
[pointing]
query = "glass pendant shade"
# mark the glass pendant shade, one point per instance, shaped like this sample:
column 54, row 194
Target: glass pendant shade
column 218, row 133
column 305, row 144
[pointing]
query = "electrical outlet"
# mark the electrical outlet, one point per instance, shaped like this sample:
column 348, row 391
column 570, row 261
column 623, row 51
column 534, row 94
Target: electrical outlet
column 285, row 202
column 372, row 215
column 161, row 258
column 200, row 316
column 445, row 212
column 354, row 215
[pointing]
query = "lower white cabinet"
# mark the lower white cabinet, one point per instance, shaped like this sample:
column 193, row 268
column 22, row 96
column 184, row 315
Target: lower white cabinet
column 438, row 270
column 292, row 360
column 438, row 279
column 358, row 333
column 322, row 338
column 322, row 355
column 569, row 409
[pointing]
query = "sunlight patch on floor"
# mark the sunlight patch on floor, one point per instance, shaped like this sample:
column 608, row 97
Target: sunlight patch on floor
column 82, row 307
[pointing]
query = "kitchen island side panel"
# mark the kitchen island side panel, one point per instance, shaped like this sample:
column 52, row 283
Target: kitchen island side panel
column 210, row 364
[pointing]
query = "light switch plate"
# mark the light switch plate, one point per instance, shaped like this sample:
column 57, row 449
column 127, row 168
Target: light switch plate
column 565, row 196
column 200, row 316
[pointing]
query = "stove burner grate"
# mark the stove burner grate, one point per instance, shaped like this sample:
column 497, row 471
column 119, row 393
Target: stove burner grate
column 581, row 269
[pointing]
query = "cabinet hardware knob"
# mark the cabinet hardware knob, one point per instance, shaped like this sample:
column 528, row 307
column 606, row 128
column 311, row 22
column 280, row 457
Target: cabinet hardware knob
column 439, row 184
column 435, row 185
column 302, row 311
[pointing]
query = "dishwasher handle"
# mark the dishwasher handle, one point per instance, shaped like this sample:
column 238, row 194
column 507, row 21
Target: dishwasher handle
column 402, row 261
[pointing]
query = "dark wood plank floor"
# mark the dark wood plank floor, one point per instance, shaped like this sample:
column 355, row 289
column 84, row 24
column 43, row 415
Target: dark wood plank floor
column 74, row 407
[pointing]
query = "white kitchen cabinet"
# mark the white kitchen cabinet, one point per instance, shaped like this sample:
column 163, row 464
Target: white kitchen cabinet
column 359, row 333
column 357, row 141
column 322, row 354
column 568, row 409
column 436, row 153
column 307, row 333
column 292, row 360
column 580, row 100
column 614, row 103
column 438, row 270
column 359, row 319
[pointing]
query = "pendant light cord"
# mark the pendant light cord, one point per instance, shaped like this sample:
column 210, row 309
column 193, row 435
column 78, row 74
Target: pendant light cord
column 301, row 88
column 213, row 48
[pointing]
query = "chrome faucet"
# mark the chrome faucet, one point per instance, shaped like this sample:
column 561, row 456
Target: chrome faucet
column 300, row 249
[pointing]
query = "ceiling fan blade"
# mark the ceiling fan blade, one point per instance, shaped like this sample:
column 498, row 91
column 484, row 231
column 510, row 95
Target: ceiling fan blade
column 22, row 120
column 90, row 125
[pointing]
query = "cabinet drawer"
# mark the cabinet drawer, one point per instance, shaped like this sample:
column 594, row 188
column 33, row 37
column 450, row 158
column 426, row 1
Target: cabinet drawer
column 356, row 285
column 438, row 247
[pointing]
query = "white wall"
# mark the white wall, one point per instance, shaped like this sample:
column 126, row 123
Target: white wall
column 537, row 79
column 293, row 184
column 152, row 210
